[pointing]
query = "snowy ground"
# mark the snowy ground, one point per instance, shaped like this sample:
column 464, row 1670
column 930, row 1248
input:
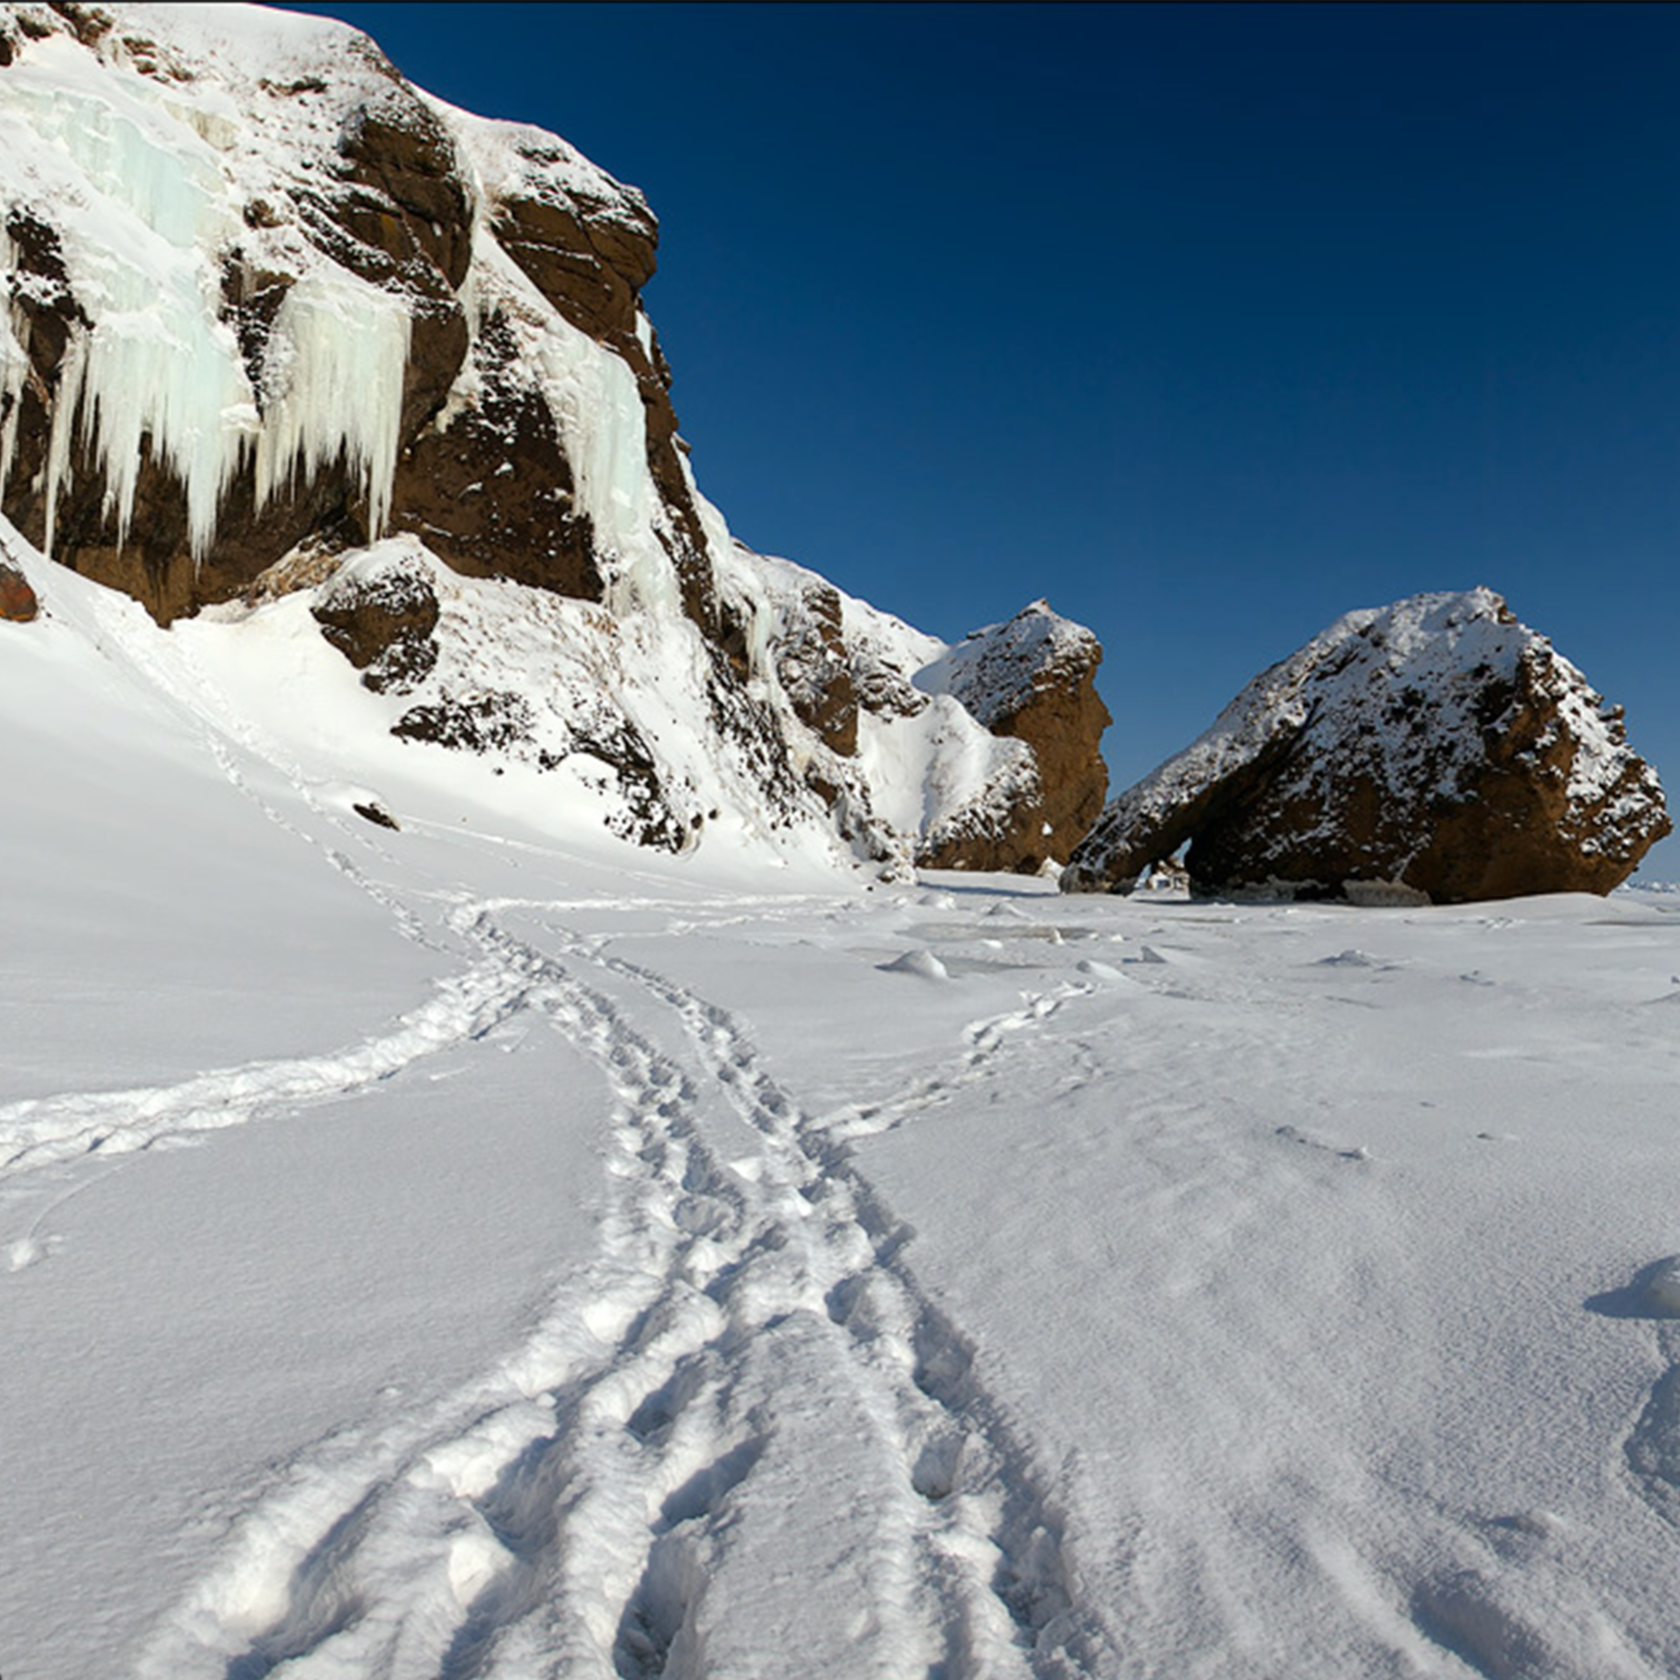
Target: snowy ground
column 474, row 1251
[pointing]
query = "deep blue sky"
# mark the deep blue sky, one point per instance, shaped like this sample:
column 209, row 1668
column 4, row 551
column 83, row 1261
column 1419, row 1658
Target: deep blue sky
column 1207, row 323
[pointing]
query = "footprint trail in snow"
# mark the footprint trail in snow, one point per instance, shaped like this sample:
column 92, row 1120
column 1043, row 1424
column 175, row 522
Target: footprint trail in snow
column 744, row 1398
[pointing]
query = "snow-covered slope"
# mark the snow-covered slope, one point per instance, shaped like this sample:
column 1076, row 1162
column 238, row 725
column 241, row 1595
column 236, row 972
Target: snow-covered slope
column 264, row 307
column 468, row 1249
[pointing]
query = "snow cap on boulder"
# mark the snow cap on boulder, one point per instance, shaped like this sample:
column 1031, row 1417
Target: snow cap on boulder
column 1436, row 748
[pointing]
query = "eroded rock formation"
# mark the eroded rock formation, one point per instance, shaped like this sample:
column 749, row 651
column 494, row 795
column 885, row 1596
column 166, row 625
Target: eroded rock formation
column 1436, row 749
column 266, row 309
column 1033, row 680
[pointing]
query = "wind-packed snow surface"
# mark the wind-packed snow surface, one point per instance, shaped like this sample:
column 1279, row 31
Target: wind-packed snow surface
column 479, row 1248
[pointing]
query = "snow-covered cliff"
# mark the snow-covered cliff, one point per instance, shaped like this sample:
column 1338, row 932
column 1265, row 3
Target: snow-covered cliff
column 276, row 324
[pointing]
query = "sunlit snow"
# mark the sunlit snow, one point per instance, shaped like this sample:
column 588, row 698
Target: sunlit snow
column 482, row 1248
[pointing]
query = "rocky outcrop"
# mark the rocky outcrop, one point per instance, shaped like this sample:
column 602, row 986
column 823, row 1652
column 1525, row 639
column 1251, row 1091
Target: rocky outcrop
column 272, row 320
column 332, row 186
column 982, row 757
column 1434, row 749
column 814, row 667
column 381, row 618
column 1033, row 680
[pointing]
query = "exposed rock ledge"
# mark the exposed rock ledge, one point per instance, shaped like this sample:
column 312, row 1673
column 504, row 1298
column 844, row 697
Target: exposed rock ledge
column 1435, row 748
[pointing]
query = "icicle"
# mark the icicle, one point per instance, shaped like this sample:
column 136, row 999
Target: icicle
column 14, row 358
column 144, row 210
column 334, row 375
column 70, row 375
column 175, row 378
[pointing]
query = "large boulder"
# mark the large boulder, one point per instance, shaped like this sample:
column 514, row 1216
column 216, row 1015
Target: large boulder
column 1436, row 748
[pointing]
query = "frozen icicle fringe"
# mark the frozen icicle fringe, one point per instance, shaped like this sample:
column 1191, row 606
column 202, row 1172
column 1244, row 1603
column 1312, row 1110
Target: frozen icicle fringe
column 129, row 382
column 144, row 198
column 133, row 381
column 334, row 382
column 173, row 377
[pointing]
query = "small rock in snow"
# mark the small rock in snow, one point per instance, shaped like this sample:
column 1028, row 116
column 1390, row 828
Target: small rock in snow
column 18, row 601
column 376, row 814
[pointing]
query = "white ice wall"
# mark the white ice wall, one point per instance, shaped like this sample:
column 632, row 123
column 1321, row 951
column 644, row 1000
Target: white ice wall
column 146, row 208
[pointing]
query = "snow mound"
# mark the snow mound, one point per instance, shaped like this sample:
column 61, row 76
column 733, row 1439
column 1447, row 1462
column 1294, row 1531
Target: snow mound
column 924, row 963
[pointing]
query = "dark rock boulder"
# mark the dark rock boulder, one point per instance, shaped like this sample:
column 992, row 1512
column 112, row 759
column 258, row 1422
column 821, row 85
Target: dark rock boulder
column 18, row 601
column 1434, row 749
column 381, row 618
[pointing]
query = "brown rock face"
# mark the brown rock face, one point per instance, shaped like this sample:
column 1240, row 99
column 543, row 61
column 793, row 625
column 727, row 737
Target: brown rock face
column 1437, row 748
column 814, row 667
column 327, row 311
column 590, row 256
column 492, row 493
column 17, row 600
column 1033, row 680
column 372, row 183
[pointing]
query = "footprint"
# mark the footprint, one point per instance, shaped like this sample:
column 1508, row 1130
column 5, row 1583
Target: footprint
column 1294, row 1134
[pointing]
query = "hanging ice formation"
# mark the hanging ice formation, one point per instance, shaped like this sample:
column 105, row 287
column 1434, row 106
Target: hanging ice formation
column 593, row 398
column 14, row 358
column 334, row 379
column 144, row 207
